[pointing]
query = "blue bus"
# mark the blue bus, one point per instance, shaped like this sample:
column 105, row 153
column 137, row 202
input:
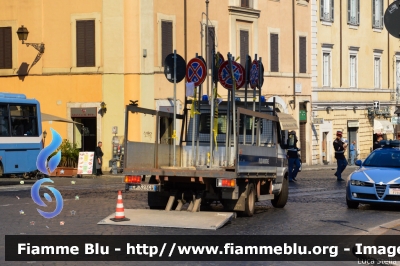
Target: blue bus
column 20, row 134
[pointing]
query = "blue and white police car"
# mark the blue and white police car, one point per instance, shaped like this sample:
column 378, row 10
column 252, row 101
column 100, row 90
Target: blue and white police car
column 378, row 178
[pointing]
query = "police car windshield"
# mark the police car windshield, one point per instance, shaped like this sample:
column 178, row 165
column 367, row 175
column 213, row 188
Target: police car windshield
column 384, row 158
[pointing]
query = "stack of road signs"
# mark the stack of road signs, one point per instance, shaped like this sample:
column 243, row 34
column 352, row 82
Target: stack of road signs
column 225, row 77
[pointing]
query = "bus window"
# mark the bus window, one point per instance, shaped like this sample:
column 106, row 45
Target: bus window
column 23, row 120
column 4, row 122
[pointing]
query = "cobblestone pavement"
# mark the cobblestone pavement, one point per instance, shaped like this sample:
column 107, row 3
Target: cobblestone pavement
column 316, row 206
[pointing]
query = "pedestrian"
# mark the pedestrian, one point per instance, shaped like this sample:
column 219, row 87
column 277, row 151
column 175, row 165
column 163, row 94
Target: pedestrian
column 377, row 144
column 352, row 152
column 341, row 161
column 293, row 156
column 99, row 158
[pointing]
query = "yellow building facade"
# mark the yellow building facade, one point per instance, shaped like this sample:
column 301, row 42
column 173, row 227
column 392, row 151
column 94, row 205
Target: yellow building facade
column 355, row 72
column 112, row 51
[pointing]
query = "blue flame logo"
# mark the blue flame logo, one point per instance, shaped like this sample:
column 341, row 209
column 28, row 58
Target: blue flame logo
column 36, row 198
column 47, row 168
column 41, row 162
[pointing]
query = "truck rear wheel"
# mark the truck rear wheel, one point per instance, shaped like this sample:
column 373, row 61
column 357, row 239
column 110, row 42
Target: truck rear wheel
column 280, row 200
column 156, row 201
column 250, row 203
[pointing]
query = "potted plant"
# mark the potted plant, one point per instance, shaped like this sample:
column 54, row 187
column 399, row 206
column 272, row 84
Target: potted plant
column 69, row 159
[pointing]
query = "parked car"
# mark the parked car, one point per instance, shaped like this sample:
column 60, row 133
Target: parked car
column 378, row 178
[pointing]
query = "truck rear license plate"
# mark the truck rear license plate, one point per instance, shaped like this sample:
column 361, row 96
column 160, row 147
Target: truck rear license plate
column 144, row 187
column 394, row 191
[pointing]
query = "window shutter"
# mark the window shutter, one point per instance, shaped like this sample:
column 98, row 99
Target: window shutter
column 358, row 12
column 90, row 43
column 2, row 57
column 85, row 43
column 5, row 48
column 332, row 10
column 244, row 46
column 211, row 43
column 373, row 13
column 80, row 43
column 348, row 11
column 166, row 40
column 303, row 54
column 321, row 15
column 274, row 49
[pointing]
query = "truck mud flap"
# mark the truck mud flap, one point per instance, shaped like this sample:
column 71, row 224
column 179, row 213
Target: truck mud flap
column 176, row 219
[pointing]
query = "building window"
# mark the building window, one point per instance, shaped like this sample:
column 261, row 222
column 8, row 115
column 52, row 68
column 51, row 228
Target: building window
column 377, row 72
column 326, row 10
column 166, row 40
column 303, row 54
column 244, row 46
column 5, row 48
column 353, row 12
column 85, row 43
column 353, row 71
column 211, row 45
column 377, row 14
column 246, row 3
column 274, row 52
column 326, row 70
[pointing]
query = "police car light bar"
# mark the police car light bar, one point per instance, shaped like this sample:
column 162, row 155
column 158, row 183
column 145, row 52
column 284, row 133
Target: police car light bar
column 389, row 143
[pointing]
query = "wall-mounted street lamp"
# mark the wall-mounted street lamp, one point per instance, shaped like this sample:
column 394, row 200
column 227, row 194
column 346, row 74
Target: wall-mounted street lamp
column 103, row 108
column 44, row 138
column 291, row 103
column 22, row 33
column 328, row 109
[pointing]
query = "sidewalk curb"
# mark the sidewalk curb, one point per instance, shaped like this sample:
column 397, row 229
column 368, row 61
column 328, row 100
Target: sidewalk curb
column 332, row 167
column 381, row 229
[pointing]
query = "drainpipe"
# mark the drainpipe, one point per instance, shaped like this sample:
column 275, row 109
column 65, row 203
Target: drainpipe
column 294, row 54
column 388, row 63
column 341, row 52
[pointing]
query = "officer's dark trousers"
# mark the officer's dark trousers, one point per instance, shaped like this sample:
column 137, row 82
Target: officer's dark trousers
column 294, row 165
column 341, row 165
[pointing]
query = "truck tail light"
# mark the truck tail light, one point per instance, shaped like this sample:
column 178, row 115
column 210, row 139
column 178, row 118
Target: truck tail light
column 226, row 182
column 133, row 179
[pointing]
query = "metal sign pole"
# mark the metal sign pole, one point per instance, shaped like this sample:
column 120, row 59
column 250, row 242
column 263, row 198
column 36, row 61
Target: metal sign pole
column 228, row 130
column 246, row 70
column 259, row 83
column 174, row 133
column 212, row 111
column 233, row 104
column 254, row 109
column 259, row 98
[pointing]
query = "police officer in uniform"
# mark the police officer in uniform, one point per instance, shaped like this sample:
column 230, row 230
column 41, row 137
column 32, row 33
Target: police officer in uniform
column 340, row 148
column 293, row 156
column 376, row 143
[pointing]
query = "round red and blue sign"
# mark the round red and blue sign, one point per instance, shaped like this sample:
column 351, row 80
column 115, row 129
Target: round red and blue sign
column 224, row 75
column 254, row 74
column 196, row 71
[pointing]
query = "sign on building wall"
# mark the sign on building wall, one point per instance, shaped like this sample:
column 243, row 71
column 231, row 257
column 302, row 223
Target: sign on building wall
column 353, row 123
column 396, row 120
column 84, row 112
column 318, row 121
column 303, row 116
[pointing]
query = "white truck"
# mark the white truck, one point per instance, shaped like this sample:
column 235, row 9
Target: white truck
column 239, row 166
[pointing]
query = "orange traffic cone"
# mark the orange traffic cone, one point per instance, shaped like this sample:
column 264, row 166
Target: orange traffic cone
column 120, row 212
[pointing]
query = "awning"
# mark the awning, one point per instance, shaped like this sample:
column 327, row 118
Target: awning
column 47, row 117
column 287, row 121
column 383, row 126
